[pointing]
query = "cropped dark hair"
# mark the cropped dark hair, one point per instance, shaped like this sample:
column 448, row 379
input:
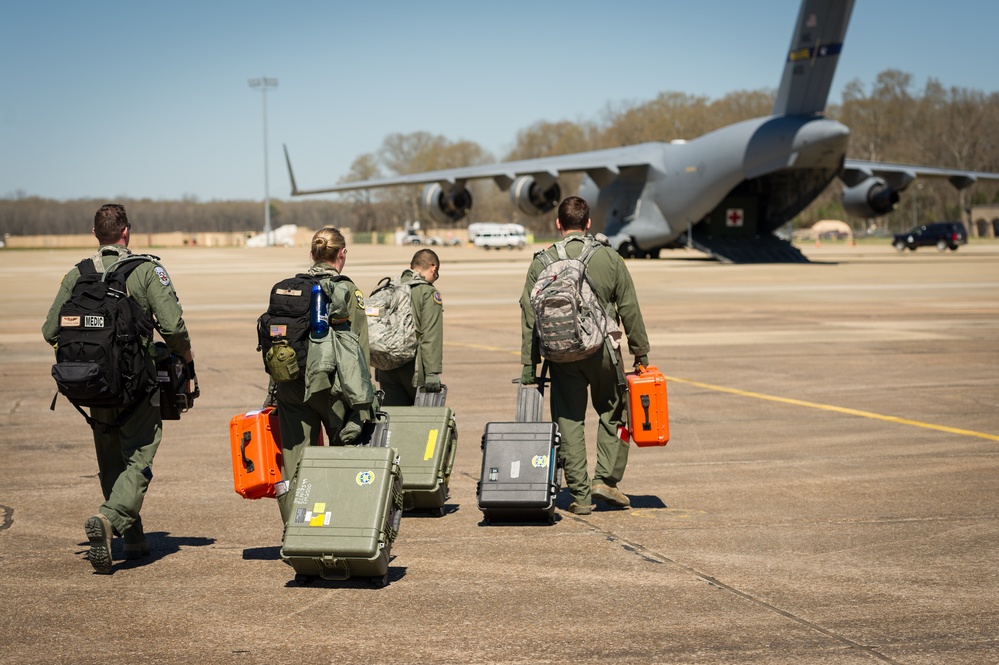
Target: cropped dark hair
column 110, row 223
column 423, row 259
column 573, row 213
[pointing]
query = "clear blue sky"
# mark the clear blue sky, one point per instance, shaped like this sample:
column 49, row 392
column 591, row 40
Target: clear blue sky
column 109, row 99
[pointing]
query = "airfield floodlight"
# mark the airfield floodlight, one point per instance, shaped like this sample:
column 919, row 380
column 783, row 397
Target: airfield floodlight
column 915, row 206
column 264, row 83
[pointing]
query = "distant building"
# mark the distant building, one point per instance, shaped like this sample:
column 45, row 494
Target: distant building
column 983, row 221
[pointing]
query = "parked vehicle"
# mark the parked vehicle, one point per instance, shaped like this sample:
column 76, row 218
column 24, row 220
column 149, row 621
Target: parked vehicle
column 500, row 239
column 943, row 235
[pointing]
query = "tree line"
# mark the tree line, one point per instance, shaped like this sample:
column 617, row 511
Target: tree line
column 889, row 121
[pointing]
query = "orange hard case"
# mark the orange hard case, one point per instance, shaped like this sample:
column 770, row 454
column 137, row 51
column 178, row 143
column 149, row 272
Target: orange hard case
column 255, row 439
column 648, row 411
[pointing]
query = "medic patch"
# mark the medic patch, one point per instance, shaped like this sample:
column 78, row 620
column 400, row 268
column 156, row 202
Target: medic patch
column 161, row 274
column 365, row 478
column 437, row 298
column 360, row 299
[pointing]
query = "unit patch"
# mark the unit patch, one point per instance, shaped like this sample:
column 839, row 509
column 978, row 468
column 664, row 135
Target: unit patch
column 161, row 274
column 360, row 298
column 69, row 321
column 539, row 461
column 365, row 478
column 437, row 298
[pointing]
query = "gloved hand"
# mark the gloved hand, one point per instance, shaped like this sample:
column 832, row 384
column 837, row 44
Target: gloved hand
column 527, row 377
column 193, row 378
column 641, row 360
column 432, row 383
column 350, row 431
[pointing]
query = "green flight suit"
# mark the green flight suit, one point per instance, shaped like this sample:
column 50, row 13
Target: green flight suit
column 570, row 380
column 399, row 384
column 301, row 420
column 125, row 454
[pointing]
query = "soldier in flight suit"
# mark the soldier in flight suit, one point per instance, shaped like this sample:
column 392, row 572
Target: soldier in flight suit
column 614, row 287
column 307, row 405
column 399, row 385
column 125, row 453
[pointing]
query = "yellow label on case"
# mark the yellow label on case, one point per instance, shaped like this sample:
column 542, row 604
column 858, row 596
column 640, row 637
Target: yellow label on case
column 431, row 445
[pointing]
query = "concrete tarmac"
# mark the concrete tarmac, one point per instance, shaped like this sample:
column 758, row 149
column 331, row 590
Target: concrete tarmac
column 829, row 493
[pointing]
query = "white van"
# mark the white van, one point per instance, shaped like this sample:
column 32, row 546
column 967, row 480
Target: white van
column 500, row 239
column 493, row 235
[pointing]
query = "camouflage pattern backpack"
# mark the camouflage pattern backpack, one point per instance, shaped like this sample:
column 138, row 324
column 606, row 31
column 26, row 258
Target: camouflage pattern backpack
column 391, row 330
column 569, row 320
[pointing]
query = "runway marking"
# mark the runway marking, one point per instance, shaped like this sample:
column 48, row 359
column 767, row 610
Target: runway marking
column 836, row 409
column 784, row 400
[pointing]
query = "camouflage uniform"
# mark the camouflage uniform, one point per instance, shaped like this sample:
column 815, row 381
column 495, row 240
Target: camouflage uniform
column 570, row 380
column 399, row 384
column 125, row 454
column 301, row 420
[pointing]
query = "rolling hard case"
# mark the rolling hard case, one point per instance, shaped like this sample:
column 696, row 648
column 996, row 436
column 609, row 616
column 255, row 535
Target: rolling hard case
column 426, row 438
column 648, row 411
column 255, row 439
column 347, row 505
column 520, row 468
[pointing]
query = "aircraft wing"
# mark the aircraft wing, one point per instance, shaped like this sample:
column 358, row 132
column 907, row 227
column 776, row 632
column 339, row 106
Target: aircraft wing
column 899, row 176
column 601, row 165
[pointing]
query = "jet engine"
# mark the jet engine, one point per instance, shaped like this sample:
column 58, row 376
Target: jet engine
column 445, row 207
column 531, row 198
column 871, row 198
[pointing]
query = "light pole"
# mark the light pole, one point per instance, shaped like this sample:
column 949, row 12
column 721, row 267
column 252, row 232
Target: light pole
column 263, row 83
column 915, row 206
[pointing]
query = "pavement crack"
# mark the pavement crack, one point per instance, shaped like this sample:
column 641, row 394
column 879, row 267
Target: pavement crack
column 656, row 557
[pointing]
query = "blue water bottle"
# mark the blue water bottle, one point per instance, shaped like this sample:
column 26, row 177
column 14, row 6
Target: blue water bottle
column 319, row 312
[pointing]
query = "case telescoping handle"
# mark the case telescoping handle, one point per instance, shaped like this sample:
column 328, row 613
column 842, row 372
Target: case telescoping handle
column 247, row 463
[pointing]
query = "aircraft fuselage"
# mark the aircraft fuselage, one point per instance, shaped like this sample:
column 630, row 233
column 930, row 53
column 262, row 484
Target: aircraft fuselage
column 685, row 181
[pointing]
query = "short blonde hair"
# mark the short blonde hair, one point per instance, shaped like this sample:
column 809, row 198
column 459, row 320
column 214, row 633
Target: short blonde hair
column 326, row 244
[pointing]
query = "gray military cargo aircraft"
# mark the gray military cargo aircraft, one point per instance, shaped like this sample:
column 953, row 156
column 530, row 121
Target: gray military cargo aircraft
column 724, row 193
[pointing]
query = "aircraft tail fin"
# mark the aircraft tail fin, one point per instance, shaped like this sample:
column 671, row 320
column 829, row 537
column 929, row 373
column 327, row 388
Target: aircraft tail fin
column 812, row 58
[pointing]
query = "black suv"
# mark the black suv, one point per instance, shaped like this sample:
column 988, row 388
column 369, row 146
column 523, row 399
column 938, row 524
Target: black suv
column 944, row 235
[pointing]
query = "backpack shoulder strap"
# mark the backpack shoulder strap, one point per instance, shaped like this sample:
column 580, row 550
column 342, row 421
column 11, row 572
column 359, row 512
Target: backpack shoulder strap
column 126, row 265
column 590, row 248
column 547, row 259
column 87, row 267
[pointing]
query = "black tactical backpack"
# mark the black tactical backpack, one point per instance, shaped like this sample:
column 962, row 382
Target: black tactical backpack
column 283, row 330
column 101, row 360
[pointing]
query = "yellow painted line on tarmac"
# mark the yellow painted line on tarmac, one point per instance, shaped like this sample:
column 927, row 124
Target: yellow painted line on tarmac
column 785, row 400
column 837, row 409
column 482, row 347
